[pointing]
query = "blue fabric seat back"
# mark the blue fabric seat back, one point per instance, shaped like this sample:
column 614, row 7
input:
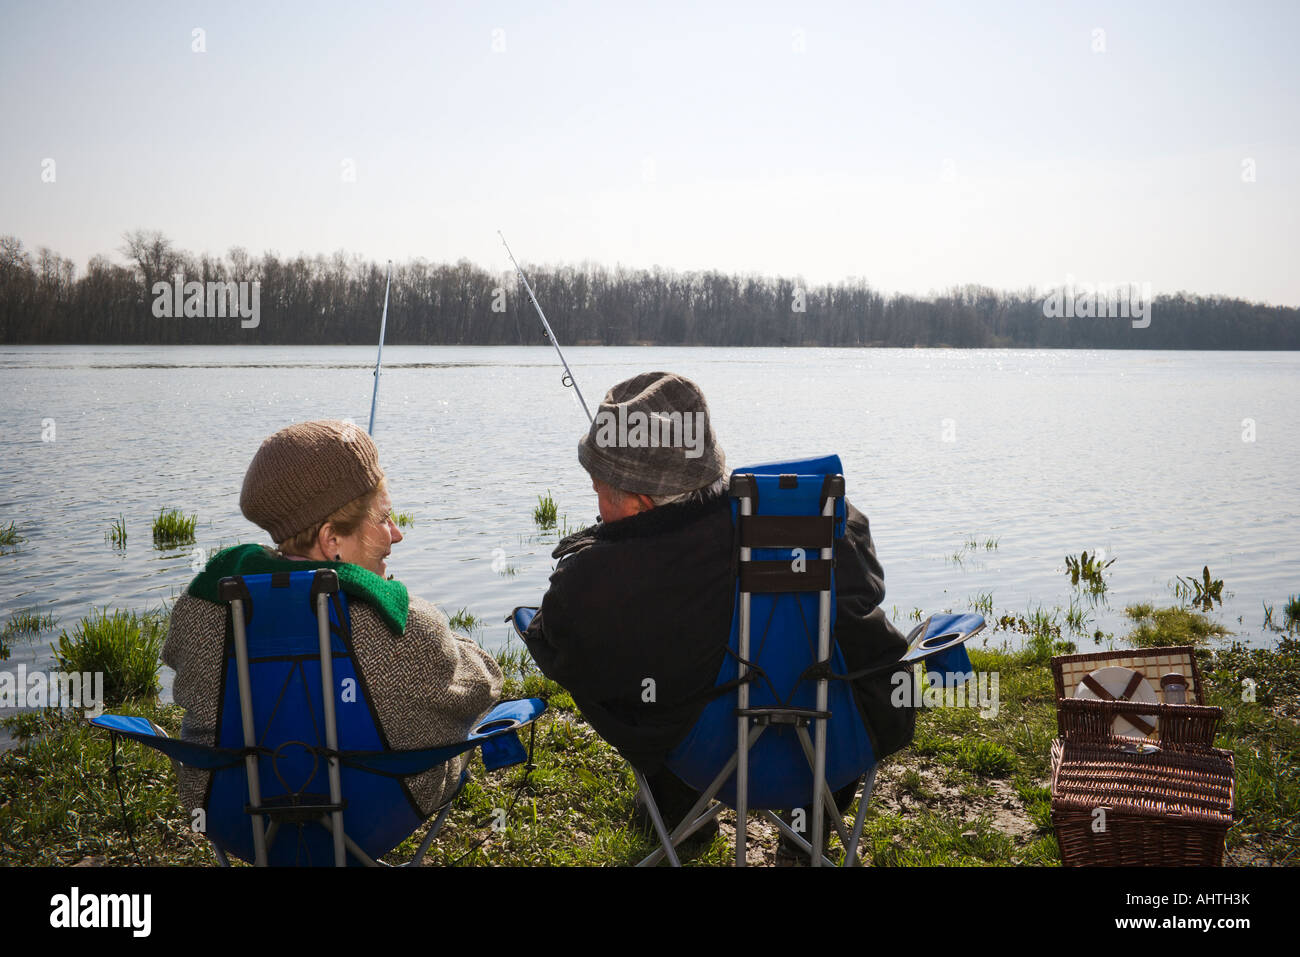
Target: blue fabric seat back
column 285, row 678
column 783, row 644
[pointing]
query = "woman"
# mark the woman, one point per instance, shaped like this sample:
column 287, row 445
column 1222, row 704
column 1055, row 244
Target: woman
column 318, row 490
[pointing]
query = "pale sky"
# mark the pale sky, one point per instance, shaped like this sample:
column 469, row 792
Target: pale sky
column 918, row 145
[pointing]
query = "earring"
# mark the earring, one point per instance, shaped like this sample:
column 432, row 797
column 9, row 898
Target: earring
column 338, row 558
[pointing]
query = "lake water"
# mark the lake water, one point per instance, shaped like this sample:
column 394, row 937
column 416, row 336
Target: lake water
column 1167, row 461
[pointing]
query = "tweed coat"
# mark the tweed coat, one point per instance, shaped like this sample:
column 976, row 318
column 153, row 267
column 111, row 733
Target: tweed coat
column 428, row 685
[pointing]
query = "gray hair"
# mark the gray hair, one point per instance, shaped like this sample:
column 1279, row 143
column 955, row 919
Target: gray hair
column 695, row 497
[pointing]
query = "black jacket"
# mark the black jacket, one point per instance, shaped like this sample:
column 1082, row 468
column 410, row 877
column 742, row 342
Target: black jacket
column 649, row 598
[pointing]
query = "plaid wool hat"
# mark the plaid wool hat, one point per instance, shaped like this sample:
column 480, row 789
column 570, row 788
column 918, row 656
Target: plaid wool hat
column 652, row 436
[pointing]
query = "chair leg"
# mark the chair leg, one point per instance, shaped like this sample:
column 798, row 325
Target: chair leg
column 428, row 838
column 800, row 841
column 694, row 819
column 657, row 820
column 851, row 849
column 271, row 833
column 828, row 801
column 327, row 822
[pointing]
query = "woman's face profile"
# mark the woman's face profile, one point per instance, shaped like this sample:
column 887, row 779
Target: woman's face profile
column 370, row 544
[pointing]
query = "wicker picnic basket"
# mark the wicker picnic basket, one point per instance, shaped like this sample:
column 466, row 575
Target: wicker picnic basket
column 1114, row 807
column 1165, row 799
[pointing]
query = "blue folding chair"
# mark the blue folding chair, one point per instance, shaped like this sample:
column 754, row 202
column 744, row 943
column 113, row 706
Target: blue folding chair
column 784, row 730
column 300, row 777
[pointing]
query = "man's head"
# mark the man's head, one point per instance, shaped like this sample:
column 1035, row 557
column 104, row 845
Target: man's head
column 616, row 504
column 650, row 444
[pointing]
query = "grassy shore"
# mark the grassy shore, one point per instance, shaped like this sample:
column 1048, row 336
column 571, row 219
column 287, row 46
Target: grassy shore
column 972, row 789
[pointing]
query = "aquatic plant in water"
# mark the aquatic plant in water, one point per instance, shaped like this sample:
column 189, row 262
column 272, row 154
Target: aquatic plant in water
column 172, row 528
column 116, row 533
column 1077, row 618
column 1088, row 569
column 545, row 513
column 9, row 537
column 28, row 621
column 1292, row 611
column 1203, row 592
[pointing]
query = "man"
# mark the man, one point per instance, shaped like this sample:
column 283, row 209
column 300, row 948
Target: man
column 637, row 618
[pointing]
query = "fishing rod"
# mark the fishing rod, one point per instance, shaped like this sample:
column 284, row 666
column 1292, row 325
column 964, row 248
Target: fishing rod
column 567, row 379
column 383, row 323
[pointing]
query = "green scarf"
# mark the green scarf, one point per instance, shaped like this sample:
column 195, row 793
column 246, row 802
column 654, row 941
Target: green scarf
column 389, row 598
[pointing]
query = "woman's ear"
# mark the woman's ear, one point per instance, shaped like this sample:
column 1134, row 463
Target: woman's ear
column 327, row 541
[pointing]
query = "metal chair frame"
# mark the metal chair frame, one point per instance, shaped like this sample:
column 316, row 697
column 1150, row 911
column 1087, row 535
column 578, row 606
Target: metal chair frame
column 495, row 734
column 751, row 723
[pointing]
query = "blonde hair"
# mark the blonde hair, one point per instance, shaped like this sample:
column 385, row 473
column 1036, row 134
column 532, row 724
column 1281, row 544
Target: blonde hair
column 346, row 520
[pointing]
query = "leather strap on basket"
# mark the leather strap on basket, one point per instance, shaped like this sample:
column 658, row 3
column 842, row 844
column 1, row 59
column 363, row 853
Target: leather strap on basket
column 1139, row 722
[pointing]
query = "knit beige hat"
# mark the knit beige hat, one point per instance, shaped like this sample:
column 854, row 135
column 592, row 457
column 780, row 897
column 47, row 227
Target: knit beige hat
column 303, row 474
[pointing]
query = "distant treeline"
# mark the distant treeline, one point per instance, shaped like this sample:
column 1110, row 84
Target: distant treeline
column 337, row 300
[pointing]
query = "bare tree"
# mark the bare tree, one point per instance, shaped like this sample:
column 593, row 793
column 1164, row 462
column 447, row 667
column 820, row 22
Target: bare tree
column 153, row 253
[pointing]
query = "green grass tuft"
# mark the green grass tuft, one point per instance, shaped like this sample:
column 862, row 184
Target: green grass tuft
column 28, row 622
column 9, row 537
column 173, row 528
column 464, row 620
column 984, row 758
column 545, row 514
column 1043, row 632
column 123, row 645
column 1292, row 611
column 1161, row 627
column 116, row 533
column 404, row 519
column 912, row 784
column 1077, row 618
column 1038, row 803
column 929, row 744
